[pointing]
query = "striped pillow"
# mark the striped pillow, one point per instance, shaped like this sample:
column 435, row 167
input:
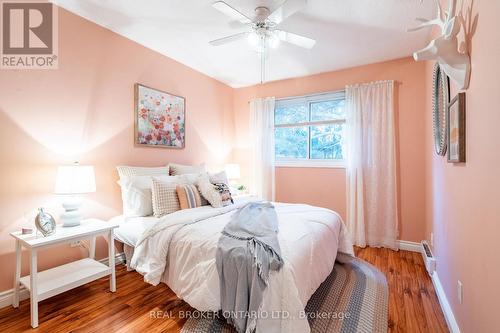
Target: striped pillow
column 189, row 197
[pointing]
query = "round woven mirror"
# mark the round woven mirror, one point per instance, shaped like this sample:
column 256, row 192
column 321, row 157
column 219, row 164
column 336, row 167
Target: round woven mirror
column 440, row 100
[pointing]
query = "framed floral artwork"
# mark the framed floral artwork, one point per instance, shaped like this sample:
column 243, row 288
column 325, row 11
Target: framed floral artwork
column 160, row 118
column 456, row 129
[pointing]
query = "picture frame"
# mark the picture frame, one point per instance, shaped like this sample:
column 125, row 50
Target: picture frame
column 159, row 118
column 456, row 129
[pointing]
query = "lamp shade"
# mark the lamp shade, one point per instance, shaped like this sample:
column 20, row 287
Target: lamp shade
column 233, row 171
column 75, row 179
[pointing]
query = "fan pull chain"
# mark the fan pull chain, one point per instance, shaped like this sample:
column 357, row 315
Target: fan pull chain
column 263, row 60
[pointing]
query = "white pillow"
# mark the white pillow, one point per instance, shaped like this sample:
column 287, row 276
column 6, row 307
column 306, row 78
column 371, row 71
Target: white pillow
column 218, row 195
column 218, row 178
column 180, row 169
column 136, row 194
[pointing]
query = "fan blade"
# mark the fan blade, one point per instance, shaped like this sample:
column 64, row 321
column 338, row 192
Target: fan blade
column 288, row 8
column 228, row 39
column 224, row 8
column 295, row 39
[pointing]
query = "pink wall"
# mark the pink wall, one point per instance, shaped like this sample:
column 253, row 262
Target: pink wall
column 326, row 187
column 84, row 111
column 463, row 199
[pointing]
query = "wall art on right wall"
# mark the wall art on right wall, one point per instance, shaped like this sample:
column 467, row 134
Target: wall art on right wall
column 456, row 129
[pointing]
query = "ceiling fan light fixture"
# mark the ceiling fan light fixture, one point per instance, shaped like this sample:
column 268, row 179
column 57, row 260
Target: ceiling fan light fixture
column 253, row 38
column 274, row 41
column 262, row 33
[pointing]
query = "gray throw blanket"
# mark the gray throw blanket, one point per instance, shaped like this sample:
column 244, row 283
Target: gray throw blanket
column 248, row 250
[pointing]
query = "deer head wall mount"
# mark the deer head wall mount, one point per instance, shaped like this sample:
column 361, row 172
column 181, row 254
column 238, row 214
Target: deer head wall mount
column 444, row 49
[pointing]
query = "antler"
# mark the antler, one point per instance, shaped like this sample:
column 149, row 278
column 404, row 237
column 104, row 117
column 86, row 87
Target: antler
column 437, row 21
column 451, row 10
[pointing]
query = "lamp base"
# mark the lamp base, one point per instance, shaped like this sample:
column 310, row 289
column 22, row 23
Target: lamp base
column 71, row 217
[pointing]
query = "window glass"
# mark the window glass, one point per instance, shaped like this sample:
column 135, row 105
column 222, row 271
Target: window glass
column 291, row 114
column 327, row 142
column 327, row 110
column 310, row 129
column 291, row 142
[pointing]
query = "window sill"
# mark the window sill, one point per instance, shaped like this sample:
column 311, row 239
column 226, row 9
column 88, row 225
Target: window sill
column 311, row 164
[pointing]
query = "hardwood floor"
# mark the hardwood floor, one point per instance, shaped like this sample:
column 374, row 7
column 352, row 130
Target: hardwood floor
column 413, row 303
column 140, row 307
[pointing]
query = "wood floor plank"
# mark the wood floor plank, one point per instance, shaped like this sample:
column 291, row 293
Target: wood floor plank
column 136, row 306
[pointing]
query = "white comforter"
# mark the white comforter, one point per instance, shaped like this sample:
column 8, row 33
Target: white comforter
column 180, row 248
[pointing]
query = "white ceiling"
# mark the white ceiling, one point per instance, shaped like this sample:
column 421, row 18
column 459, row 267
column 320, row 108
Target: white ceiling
column 348, row 33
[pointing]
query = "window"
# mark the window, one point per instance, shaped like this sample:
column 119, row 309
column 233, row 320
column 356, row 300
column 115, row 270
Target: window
column 310, row 131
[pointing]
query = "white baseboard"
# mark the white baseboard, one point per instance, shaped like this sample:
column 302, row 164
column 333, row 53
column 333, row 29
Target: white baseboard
column 445, row 306
column 6, row 296
column 119, row 259
column 409, row 246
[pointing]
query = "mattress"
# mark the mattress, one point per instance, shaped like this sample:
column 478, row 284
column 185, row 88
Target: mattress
column 131, row 228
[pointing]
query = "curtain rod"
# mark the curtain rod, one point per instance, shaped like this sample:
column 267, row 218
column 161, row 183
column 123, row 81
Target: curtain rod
column 308, row 95
column 396, row 82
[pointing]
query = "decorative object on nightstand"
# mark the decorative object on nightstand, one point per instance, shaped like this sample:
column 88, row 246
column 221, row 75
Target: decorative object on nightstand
column 45, row 223
column 73, row 180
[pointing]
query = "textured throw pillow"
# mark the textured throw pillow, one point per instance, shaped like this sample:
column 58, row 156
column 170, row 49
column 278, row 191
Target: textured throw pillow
column 188, row 195
column 129, row 171
column 136, row 194
column 218, row 195
column 179, row 169
column 165, row 200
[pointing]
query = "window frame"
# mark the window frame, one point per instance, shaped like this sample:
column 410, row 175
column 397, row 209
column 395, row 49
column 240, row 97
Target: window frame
column 308, row 100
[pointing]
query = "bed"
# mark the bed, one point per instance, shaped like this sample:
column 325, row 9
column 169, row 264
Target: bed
column 179, row 250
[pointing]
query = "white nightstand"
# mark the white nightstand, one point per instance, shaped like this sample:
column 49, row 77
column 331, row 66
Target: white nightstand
column 59, row 279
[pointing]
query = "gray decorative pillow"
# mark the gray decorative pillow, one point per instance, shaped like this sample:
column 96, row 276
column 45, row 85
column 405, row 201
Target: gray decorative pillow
column 180, row 169
column 165, row 200
column 218, row 194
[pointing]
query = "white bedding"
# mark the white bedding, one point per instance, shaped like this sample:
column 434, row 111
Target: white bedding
column 131, row 228
column 309, row 239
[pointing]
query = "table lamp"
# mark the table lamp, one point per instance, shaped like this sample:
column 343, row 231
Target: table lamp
column 73, row 180
column 233, row 175
column 232, row 171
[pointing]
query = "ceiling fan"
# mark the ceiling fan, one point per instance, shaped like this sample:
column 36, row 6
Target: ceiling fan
column 262, row 31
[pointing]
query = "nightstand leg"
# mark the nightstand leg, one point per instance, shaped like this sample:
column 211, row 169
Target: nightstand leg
column 33, row 289
column 92, row 248
column 111, row 256
column 17, row 276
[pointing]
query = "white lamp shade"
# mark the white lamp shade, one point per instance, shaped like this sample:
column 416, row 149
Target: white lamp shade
column 233, row 171
column 75, row 179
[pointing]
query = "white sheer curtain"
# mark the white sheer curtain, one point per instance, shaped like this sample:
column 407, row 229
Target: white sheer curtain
column 372, row 216
column 262, row 136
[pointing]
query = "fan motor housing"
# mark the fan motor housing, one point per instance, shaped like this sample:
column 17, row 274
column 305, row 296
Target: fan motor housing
column 261, row 14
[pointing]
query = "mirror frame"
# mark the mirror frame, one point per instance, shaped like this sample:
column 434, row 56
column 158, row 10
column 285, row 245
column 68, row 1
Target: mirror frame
column 440, row 101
